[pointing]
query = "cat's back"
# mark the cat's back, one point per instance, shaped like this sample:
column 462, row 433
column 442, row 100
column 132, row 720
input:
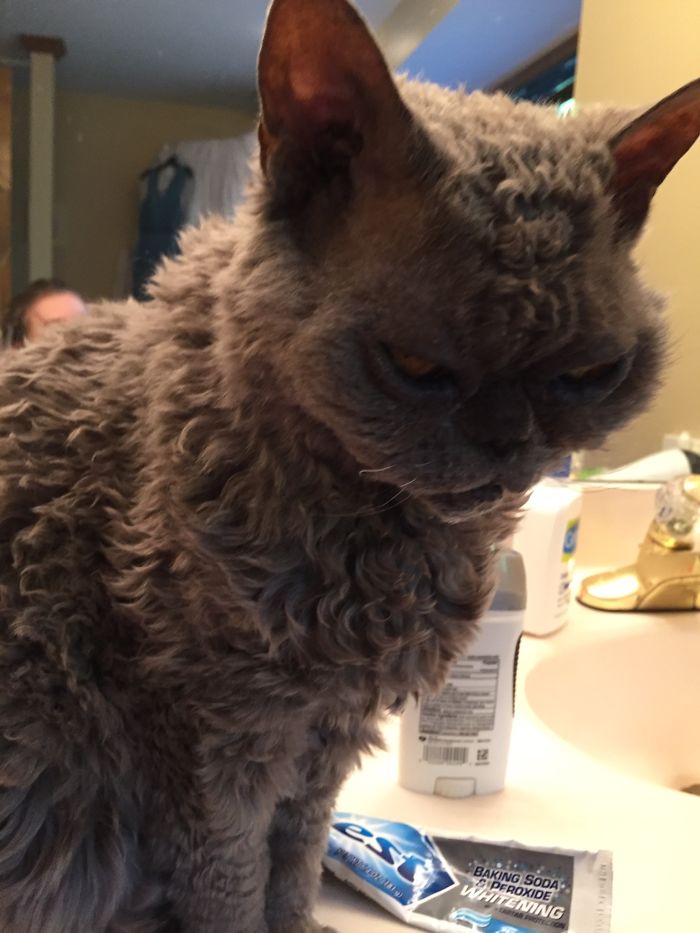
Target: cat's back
column 70, row 359
column 67, row 408
column 60, row 396
column 60, row 420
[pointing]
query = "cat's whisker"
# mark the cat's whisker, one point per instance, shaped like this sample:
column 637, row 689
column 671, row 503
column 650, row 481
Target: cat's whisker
column 376, row 469
column 392, row 500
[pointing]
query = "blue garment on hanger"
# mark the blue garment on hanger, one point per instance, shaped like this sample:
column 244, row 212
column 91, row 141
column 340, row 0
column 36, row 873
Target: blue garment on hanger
column 161, row 216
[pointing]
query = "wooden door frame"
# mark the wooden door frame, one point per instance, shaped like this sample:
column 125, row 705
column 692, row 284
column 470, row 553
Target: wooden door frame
column 5, row 191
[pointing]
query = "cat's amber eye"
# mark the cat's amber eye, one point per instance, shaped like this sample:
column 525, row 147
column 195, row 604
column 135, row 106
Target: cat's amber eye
column 592, row 373
column 585, row 384
column 416, row 367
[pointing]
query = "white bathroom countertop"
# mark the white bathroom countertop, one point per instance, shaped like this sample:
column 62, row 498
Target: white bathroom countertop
column 557, row 796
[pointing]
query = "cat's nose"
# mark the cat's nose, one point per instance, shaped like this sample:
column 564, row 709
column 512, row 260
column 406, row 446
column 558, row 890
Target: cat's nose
column 500, row 418
column 501, row 448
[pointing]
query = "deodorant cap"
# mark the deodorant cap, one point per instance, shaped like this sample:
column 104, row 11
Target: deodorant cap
column 511, row 588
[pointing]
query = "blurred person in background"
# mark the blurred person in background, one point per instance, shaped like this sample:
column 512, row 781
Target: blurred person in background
column 43, row 303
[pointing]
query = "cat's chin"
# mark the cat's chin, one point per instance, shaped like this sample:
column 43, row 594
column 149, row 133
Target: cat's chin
column 458, row 506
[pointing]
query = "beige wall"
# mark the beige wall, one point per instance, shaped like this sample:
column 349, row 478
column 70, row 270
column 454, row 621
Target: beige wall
column 635, row 52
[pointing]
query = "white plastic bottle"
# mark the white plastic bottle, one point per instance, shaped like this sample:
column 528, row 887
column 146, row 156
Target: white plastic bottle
column 456, row 743
column 546, row 537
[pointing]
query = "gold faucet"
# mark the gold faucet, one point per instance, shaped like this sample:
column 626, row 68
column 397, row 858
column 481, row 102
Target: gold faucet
column 666, row 574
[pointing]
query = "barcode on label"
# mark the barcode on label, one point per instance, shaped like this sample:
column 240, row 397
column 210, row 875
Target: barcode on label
column 444, row 754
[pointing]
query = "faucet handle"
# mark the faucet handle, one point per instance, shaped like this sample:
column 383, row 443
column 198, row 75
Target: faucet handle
column 691, row 487
column 677, row 511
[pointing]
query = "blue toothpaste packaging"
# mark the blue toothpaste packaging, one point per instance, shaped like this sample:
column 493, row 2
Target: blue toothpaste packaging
column 450, row 883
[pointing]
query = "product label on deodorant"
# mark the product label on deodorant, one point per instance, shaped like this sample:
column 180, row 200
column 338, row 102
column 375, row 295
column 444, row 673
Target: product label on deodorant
column 466, row 706
column 444, row 882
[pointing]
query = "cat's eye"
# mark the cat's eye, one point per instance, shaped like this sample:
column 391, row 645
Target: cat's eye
column 418, row 373
column 591, row 373
column 590, row 383
column 415, row 367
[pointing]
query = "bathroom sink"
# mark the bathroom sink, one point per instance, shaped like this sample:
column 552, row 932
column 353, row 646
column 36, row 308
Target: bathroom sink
column 631, row 701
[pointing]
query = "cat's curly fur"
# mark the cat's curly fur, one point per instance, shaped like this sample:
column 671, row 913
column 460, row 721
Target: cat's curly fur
column 225, row 552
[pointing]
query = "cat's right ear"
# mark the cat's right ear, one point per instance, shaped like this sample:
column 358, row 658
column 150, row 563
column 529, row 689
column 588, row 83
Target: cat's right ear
column 648, row 148
column 328, row 100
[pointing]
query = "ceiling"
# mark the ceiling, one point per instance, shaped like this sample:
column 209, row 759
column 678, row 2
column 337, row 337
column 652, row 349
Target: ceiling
column 481, row 41
column 206, row 52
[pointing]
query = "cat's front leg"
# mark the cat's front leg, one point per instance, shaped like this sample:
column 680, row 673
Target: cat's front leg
column 219, row 884
column 299, row 834
column 297, row 842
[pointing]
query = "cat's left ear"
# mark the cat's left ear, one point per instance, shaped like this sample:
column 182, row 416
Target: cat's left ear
column 647, row 149
column 327, row 97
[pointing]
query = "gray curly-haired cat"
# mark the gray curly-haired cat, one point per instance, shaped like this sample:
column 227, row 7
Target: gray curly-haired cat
column 240, row 524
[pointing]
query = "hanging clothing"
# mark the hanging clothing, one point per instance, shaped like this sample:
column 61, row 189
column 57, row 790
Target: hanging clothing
column 162, row 214
column 221, row 171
